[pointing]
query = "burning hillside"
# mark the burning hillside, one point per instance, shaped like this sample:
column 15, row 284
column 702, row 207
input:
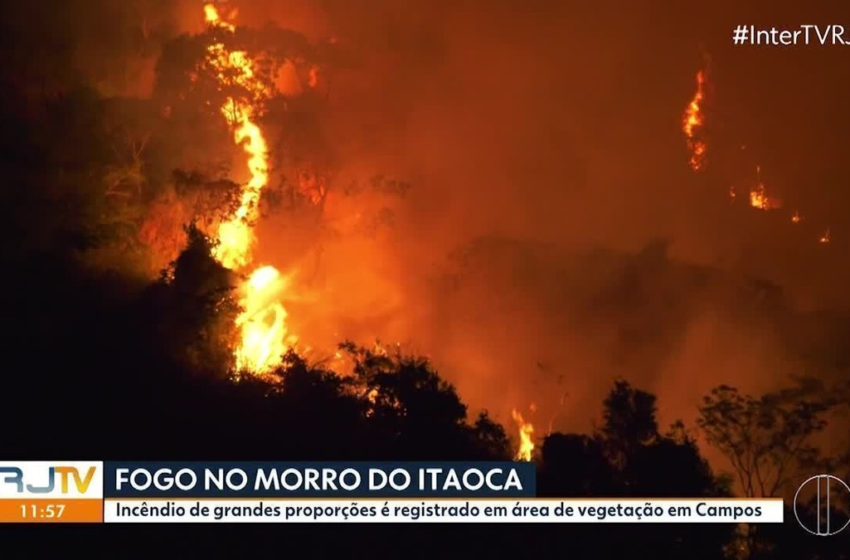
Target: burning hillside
column 368, row 230
column 259, row 89
column 446, row 180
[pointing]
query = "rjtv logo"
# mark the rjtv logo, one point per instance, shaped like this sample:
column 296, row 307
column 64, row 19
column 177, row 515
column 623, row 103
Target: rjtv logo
column 50, row 479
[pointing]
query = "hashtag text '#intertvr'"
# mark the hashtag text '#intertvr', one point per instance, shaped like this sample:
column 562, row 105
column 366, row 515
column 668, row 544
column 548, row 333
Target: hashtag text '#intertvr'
column 802, row 35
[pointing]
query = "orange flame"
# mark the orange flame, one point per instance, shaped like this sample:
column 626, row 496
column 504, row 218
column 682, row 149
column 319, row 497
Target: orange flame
column 796, row 218
column 825, row 237
column 526, row 444
column 693, row 120
column 262, row 323
column 214, row 19
column 759, row 198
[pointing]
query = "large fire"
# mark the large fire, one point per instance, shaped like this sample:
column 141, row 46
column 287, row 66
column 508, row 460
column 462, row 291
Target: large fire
column 692, row 122
column 263, row 322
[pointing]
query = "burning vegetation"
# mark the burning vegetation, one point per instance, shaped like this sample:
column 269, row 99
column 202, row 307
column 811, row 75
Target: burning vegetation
column 249, row 181
column 758, row 196
column 693, row 123
column 263, row 323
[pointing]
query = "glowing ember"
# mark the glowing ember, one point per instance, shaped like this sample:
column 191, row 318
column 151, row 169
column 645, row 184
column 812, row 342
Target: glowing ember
column 796, row 218
column 825, row 237
column 262, row 323
column 692, row 121
column 526, row 444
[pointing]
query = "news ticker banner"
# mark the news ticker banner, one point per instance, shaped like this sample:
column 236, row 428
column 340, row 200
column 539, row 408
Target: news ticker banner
column 302, row 492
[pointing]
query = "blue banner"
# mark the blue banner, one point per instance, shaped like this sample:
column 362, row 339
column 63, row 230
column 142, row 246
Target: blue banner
column 319, row 480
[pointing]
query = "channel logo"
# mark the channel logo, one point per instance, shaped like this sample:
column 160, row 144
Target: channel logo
column 829, row 497
column 47, row 479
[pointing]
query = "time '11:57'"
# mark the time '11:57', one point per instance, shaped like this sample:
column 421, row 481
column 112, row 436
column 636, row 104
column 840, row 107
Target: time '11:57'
column 33, row 511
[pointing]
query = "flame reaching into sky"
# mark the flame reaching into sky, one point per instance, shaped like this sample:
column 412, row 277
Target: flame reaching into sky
column 263, row 321
column 526, row 443
column 694, row 120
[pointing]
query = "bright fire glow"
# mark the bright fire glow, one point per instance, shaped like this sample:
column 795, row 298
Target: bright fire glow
column 693, row 120
column 263, row 322
column 796, row 218
column 526, row 443
column 213, row 18
column 825, row 237
column 759, row 198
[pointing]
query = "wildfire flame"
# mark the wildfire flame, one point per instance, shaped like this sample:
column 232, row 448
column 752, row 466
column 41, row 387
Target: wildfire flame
column 214, row 19
column 758, row 198
column 526, row 444
column 263, row 321
column 758, row 195
column 693, row 120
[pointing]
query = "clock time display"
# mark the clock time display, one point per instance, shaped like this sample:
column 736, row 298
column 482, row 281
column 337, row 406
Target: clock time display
column 35, row 512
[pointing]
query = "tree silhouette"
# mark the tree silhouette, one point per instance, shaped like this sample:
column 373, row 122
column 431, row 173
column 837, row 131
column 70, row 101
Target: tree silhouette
column 769, row 443
column 574, row 465
column 420, row 413
column 629, row 457
column 767, row 439
column 195, row 308
column 629, row 422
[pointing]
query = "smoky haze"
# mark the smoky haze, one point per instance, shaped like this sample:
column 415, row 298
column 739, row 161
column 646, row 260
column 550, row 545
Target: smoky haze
column 547, row 165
